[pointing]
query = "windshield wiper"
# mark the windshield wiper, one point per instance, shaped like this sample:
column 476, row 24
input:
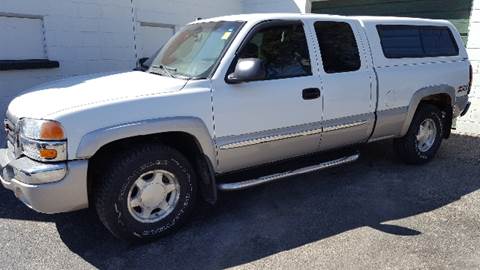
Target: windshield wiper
column 167, row 69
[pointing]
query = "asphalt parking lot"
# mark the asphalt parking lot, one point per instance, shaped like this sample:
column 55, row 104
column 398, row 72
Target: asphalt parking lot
column 374, row 214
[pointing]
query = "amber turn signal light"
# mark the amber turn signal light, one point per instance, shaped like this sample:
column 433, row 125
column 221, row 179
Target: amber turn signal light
column 51, row 131
column 48, row 153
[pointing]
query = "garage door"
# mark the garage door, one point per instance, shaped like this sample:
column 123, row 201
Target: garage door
column 457, row 11
column 152, row 36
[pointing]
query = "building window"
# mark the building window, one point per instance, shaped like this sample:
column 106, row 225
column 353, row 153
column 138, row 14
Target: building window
column 22, row 43
column 152, row 36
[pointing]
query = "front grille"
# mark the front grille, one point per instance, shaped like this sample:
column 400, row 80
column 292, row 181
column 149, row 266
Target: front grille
column 11, row 131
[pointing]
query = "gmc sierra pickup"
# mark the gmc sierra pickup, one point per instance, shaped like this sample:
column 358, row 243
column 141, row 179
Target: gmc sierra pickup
column 223, row 97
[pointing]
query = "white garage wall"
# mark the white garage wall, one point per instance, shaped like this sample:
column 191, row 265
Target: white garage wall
column 303, row 6
column 84, row 36
column 89, row 36
column 150, row 37
column 471, row 122
column 150, row 15
column 21, row 38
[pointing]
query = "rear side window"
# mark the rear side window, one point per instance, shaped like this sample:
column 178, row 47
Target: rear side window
column 409, row 41
column 438, row 41
column 338, row 47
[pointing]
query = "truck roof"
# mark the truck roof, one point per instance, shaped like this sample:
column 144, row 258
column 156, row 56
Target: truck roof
column 290, row 16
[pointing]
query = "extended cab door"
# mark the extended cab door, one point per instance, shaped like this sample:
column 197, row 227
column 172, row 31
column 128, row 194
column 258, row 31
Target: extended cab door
column 276, row 118
column 349, row 82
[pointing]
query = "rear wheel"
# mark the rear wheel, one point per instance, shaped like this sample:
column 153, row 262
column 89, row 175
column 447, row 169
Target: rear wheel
column 424, row 136
column 145, row 193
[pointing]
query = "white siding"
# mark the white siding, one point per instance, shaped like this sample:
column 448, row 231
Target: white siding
column 88, row 36
column 21, row 38
column 303, row 6
column 150, row 37
column 471, row 122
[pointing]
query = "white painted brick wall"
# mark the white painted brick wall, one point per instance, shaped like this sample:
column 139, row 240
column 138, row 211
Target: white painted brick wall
column 303, row 6
column 89, row 36
column 25, row 31
column 471, row 122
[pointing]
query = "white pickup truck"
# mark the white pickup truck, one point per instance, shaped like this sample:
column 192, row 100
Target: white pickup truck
column 223, row 97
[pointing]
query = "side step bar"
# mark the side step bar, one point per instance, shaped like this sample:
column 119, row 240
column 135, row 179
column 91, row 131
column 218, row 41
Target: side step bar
column 274, row 177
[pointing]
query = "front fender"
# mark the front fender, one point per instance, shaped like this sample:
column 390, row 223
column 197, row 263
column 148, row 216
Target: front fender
column 93, row 141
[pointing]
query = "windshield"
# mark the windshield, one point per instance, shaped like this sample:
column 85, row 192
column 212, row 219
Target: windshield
column 194, row 51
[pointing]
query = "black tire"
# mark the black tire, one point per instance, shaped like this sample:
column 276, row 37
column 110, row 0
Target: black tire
column 111, row 191
column 407, row 147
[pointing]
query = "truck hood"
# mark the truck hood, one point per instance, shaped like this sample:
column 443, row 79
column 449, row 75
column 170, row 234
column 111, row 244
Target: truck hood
column 90, row 90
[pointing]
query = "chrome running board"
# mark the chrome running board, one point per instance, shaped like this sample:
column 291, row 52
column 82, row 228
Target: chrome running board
column 274, row 177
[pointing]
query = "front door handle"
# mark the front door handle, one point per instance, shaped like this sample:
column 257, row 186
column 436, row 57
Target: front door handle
column 310, row 93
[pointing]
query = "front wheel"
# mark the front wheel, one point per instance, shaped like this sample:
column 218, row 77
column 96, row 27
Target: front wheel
column 424, row 136
column 145, row 193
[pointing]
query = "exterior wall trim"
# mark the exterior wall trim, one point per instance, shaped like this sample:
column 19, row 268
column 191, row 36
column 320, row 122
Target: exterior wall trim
column 28, row 64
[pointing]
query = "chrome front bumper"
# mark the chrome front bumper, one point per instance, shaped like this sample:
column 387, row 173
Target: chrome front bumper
column 65, row 192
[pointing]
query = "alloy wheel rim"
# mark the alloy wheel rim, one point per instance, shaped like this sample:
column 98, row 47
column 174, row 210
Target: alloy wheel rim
column 153, row 196
column 426, row 135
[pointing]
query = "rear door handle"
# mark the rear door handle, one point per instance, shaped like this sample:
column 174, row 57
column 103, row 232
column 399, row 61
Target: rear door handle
column 310, row 93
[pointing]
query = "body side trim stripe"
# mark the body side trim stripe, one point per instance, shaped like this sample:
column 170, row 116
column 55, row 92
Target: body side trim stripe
column 237, row 141
column 233, row 142
column 343, row 126
column 270, row 139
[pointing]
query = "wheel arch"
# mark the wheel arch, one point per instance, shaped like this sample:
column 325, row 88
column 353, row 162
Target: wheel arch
column 195, row 127
column 188, row 135
column 442, row 96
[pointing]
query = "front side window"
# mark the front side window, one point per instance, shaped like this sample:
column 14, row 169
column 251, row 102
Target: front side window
column 283, row 48
column 411, row 41
column 194, row 51
column 338, row 47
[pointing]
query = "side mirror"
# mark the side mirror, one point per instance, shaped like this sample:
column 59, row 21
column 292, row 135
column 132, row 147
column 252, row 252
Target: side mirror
column 247, row 70
column 141, row 63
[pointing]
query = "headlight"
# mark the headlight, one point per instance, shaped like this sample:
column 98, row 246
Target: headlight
column 43, row 140
column 45, row 130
